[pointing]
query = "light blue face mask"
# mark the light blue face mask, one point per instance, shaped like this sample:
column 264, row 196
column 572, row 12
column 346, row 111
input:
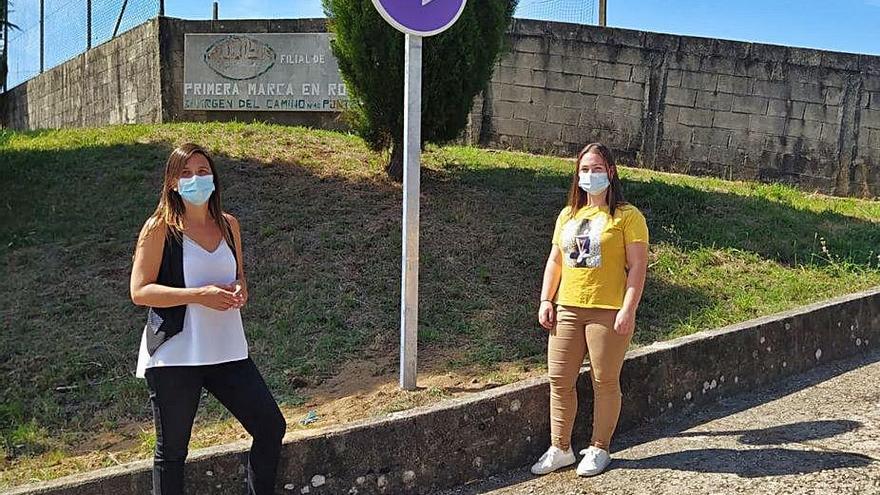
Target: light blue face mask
column 197, row 189
column 593, row 182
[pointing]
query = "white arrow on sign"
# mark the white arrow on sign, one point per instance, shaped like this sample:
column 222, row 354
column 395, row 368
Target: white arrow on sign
column 426, row 2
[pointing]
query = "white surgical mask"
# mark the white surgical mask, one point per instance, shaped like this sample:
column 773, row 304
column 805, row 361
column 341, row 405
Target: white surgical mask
column 197, row 189
column 593, row 182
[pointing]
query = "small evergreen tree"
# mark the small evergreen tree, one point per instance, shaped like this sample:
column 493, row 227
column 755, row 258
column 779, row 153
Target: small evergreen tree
column 456, row 65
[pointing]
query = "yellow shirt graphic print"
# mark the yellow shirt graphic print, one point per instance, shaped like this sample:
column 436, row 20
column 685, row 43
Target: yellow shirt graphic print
column 580, row 242
column 593, row 246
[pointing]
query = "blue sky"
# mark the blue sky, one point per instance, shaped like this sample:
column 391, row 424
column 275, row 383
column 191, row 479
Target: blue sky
column 840, row 25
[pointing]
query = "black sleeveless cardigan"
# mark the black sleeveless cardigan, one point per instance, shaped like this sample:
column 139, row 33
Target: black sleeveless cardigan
column 164, row 323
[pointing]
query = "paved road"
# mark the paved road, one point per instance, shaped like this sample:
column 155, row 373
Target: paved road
column 817, row 433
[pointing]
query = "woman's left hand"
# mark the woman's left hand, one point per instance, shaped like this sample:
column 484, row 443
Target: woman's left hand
column 624, row 322
column 239, row 290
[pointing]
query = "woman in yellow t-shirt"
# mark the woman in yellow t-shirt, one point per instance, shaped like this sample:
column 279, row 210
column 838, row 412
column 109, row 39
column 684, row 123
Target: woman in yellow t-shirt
column 593, row 281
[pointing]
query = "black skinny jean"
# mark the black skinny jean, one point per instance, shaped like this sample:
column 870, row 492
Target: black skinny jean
column 175, row 392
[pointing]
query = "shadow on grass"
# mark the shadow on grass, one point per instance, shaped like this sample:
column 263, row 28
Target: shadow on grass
column 322, row 255
column 691, row 218
column 68, row 222
column 520, row 206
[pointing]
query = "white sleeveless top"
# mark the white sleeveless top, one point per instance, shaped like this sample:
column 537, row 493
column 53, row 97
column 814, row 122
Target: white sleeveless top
column 208, row 336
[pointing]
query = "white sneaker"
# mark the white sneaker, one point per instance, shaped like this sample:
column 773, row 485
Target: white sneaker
column 553, row 459
column 594, row 462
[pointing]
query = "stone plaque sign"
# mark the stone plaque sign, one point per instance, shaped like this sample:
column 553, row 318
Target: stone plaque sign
column 289, row 72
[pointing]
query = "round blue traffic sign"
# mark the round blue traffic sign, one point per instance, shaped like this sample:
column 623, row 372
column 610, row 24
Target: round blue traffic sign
column 420, row 17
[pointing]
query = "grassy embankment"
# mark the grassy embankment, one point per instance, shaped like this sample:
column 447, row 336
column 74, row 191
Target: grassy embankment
column 321, row 227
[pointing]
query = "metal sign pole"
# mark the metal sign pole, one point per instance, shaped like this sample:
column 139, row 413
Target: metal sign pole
column 415, row 19
column 412, row 128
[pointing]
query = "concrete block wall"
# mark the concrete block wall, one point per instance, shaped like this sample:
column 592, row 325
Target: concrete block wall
column 692, row 105
column 114, row 83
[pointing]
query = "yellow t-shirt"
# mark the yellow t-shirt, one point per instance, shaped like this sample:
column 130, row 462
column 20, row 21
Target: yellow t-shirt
column 593, row 246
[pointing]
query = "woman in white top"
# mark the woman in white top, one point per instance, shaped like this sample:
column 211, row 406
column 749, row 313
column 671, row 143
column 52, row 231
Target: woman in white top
column 188, row 270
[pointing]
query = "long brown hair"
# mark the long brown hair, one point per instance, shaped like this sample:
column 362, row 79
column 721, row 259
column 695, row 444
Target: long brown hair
column 578, row 198
column 171, row 208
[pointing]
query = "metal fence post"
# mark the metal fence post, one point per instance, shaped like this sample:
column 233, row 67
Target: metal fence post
column 4, row 62
column 603, row 12
column 89, row 24
column 42, row 35
column 67, row 10
column 119, row 19
column 216, row 11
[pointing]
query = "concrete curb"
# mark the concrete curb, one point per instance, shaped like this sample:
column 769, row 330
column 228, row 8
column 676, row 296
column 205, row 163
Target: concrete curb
column 437, row 447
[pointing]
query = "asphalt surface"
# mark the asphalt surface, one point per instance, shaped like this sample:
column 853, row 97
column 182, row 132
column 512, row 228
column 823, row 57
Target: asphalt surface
column 815, row 433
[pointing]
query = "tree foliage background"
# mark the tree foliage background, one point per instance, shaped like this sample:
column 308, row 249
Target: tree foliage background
column 456, row 65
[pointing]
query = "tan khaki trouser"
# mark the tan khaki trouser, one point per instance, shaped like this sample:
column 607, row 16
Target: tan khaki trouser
column 578, row 331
